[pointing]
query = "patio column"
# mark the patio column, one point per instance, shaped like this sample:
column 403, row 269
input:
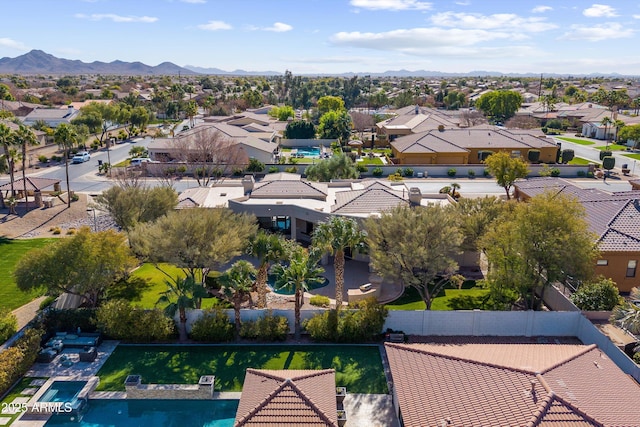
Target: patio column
column 293, row 228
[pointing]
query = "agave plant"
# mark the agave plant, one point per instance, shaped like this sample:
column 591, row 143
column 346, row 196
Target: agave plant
column 627, row 315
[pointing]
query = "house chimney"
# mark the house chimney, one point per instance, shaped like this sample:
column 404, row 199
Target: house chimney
column 247, row 184
column 415, row 196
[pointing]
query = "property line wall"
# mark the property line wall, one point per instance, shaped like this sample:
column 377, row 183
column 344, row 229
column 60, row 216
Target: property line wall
column 478, row 323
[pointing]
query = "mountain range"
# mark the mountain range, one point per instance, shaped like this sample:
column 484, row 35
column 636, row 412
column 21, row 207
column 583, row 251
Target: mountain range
column 39, row 62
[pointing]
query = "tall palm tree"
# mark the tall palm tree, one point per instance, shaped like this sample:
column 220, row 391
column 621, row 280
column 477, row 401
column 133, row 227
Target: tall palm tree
column 66, row 137
column 6, row 140
column 618, row 124
column 299, row 276
column 606, row 121
column 268, row 248
column 24, row 136
column 236, row 285
column 181, row 294
column 334, row 237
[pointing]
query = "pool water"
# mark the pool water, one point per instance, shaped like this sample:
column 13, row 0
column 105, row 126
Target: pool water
column 271, row 279
column 308, row 151
column 62, row 391
column 149, row 412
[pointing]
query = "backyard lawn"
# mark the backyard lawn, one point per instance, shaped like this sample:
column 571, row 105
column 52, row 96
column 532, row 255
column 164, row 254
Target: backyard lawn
column 359, row 368
column 12, row 250
column 468, row 298
column 156, row 285
column 575, row 140
column 633, row 156
column 580, row 161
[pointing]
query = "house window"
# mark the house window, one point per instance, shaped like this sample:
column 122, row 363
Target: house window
column 515, row 153
column 602, row 262
column 631, row 268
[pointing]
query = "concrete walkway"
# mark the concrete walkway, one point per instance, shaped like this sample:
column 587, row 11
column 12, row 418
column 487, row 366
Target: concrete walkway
column 370, row 410
column 27, row 312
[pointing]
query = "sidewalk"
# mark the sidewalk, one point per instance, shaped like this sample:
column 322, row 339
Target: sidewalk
column 27, row 312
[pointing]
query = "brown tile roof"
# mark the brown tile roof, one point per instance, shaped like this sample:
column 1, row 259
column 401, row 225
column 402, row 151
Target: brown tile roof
column 288, row 398
column 510, row 384
column 33, row 183
column 614, row 217
column 289, row 189
column 456, row 140
column 376, row 197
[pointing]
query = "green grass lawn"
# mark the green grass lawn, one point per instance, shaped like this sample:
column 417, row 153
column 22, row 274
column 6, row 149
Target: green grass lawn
column 371, row 161
column 17, row 392
column 633, row 156
column 612, row 147
column 156, row 285
column 359, row 368
column 468, row 298
column 11, row 250
column 580, row 161
column 575, row 140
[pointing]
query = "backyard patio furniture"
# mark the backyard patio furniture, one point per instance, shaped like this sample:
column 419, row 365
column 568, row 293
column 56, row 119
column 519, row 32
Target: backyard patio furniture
column 88, row 354
column 46, row 355
column 66, row 361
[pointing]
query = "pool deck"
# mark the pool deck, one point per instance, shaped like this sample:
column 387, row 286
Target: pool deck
column 77, row 370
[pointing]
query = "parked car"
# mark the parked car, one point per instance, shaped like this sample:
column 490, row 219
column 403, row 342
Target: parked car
column 81, row 157
column 140, row 160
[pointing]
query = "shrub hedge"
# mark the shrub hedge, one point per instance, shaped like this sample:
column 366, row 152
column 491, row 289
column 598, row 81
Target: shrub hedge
column 363, row 322
column 117, row 319
column 212, row 326
column 266, row 328
column 8, row 324
column 16, row 360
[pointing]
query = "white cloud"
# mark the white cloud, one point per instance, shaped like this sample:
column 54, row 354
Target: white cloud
column 463, row 3
column 595, row 33
column 636, row 16
column 415, row 39
column 600, row 11
column 541, row 9
column 498, row 21
column 12, row 44
column 392, row 4
column 116, row 18
column 215, row 26
column 279, row 27
column 194, row 1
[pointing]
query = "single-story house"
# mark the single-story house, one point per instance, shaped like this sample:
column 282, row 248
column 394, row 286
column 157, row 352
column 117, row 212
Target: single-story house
column 613, row 217
column 51, row 116
column 498, row 381
column 415, row 119
column 167, row 149
column 465, row 146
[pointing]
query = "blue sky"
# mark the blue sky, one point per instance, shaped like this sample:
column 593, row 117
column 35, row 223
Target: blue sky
column 334, row 36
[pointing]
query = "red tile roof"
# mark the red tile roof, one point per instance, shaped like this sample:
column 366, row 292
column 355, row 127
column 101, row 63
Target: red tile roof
column 514, row 384
column 288, row 398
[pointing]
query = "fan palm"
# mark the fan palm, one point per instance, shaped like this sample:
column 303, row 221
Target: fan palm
column 24, row 136
column 268, row 248
column 236, row 285
column 299, row 276
column 6, row 140
column 181, row 294
column 66, row 137
column 334, row 237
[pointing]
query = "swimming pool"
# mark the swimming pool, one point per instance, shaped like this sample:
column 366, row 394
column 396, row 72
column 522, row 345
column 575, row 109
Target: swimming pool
column 62, row 391
column 308, row 151
column 271, row 280
column 149, row 412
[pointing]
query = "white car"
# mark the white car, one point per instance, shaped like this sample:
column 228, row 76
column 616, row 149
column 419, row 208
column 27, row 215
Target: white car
column 140, row 160
column 81, row 157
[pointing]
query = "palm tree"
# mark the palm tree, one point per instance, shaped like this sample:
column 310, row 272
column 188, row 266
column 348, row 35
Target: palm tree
column 66, row 137
column 454, row 187
column 236, row 285
column 23, row 137
column 6, row 140
column 268, row 248
column 606, row 121
column 627, row 315
column 299, row 276
column 618, row 124
column 180, row 295
column 334, row 237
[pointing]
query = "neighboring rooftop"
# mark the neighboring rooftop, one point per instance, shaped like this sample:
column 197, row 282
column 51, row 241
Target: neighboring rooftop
column 288, row 398
column 512, row 382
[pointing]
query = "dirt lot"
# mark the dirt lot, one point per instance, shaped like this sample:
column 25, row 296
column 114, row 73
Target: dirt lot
column 38, row 221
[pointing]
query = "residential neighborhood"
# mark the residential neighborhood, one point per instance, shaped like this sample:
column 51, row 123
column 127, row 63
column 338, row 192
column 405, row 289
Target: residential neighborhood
column 330, row 234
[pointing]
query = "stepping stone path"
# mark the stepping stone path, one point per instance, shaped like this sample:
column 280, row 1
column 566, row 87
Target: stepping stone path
column 29, row 391
column 4, row 421
column 37, row 382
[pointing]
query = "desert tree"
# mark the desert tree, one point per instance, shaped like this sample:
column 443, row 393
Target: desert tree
column 506, row 169
column 416, row 247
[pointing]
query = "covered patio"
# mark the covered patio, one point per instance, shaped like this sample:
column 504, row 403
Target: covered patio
column 32, row 185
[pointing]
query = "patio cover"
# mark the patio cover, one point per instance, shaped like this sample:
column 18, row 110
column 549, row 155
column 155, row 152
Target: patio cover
column 33, row 184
